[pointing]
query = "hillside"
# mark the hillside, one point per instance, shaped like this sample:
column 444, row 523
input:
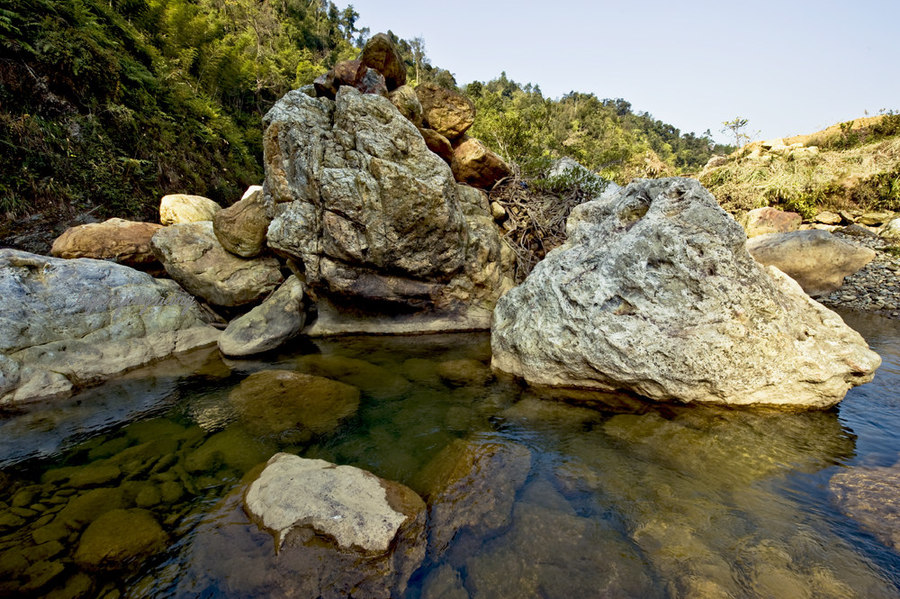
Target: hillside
column 855, row 164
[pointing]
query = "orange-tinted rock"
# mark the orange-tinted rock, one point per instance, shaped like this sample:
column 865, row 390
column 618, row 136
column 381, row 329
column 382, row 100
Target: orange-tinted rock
column 381, row 54
column 447, row 112
column 124, row 241
column 770, row 220
column 438, row 144
column 474, row 164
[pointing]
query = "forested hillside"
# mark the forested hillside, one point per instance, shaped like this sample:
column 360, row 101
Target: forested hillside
column 106, row 105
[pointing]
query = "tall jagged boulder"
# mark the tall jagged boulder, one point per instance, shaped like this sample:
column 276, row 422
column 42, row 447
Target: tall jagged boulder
column 66, row 324
column 389, row 242
column 654, row 292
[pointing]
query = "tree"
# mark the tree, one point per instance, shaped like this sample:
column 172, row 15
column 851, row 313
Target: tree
column 737, row 127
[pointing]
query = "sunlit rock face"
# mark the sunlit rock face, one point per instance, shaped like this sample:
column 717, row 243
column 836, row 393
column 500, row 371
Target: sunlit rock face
column 654, row 292
column 66, row 324
column 387, row 239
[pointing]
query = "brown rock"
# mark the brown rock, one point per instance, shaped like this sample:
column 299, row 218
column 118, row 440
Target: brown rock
column 241, row 228
column 123, row 241
column 438, row 144
column 447, row 112
column 474, row 164
column 381, row 54
column 407, row 102
column 770, row 220
column 352, row 73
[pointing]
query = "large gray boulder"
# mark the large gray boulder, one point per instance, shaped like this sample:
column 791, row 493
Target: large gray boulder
column 345, row 532
column 269, row 325
column 816, row 259
column 654, row 292
column 387, row 239
column 66, row 324
column 193, row 256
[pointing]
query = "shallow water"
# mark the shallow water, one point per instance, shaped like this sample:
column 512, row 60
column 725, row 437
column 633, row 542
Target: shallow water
column 623, row 499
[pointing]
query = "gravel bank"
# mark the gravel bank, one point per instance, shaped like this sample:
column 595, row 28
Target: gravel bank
column 876, row 287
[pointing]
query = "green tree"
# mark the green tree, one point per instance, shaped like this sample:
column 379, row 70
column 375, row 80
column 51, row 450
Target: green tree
column 737, row 127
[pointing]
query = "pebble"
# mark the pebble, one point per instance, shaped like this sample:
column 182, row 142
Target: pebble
column 874, row 288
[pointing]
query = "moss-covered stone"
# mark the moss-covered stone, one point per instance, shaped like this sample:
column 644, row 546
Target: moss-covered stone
column 373, row 380
column 292, row 405
column 465, row 372
column 148, row 496
column 87, row 507
column 40, row 575
column 118, row 537
column 171, row 492
column 76, row 587
column 233, row 448
column 94, row 475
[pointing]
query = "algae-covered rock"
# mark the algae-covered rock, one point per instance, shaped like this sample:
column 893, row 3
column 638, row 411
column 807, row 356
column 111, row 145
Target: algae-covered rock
column 374, row 380
column 119, row 537
column 293, row 405
column 464, row 372
column 232, row 448
column 85, row 508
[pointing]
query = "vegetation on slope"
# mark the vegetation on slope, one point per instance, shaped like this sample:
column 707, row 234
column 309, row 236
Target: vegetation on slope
column 607, row 136
column 854, row 164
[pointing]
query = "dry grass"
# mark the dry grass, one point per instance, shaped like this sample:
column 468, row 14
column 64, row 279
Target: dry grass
column 867, row 176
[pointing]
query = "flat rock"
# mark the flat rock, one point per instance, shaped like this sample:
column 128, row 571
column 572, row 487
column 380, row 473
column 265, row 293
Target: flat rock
column 447, row 112
column 291, row 405
column 122, row 241
column 359, row 535
column 269, row 325
column 180, row 208
column 816, row 259
column 193, row 256
column 381, row 54
column 870, row 496
column 474, row 164
column 66, row 324
column 770, row 220
column 654, row 292
column 241, row 228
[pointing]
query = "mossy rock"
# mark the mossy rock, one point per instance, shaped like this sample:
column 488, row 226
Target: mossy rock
column 373, row 380
column 95, row 474
column 119, row 537
column 87, row 507
column 233, row 448
column 465, row 372
column 294, row 405
column 153, row 429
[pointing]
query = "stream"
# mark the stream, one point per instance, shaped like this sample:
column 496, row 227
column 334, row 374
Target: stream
column 624, row 498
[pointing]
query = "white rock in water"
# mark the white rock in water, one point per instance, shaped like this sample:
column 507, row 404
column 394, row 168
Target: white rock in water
column 347, row 504
column 654, row 292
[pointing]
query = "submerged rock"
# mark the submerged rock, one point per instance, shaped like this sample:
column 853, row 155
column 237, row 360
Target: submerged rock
column 869, row 496
column 66, row 324
column 348, row 532
column 817, row 260
column 292, row 405
column 387, row 239
column 193, row 256
column 270, row 324
column 654, row 292
column 119, row 537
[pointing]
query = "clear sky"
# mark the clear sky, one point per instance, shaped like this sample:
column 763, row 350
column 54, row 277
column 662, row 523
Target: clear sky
column 789, row 66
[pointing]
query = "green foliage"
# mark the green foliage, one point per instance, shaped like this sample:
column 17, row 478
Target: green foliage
column 737, row 127
column 529, row 130
column 112, row 103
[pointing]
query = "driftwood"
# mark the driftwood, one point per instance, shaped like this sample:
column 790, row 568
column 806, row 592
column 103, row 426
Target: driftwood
column 535, row 220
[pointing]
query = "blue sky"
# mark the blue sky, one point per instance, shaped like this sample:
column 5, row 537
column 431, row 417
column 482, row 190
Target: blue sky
column 790, row 67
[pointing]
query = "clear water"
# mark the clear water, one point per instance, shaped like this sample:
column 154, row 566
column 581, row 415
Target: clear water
column 623, row 499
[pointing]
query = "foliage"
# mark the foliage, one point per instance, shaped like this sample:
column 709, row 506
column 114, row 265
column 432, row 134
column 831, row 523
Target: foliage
column 529, row 130
column 112, row 103
column 737, row 127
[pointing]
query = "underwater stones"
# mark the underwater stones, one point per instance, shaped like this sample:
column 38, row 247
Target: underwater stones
column 269, row 325
column 356, row 530
column 193, row 256
column 293, row 405
column 817, row 260
column 654, row 292
column 232, row 448
column 124, row 241
column 182, row 208
column 464, row 372
column 72, row 323
column 118, row 537
column 376, row 381
column 471, row 485
column 85, row 508
column 869, row 496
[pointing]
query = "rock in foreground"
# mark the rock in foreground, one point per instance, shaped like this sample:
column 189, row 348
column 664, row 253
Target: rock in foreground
column 351, row 533
column 655, row 293
column 66, row 324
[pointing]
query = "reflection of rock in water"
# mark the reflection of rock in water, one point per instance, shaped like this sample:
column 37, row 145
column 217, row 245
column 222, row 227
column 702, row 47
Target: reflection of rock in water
column 689, row 486
column 871, row 496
